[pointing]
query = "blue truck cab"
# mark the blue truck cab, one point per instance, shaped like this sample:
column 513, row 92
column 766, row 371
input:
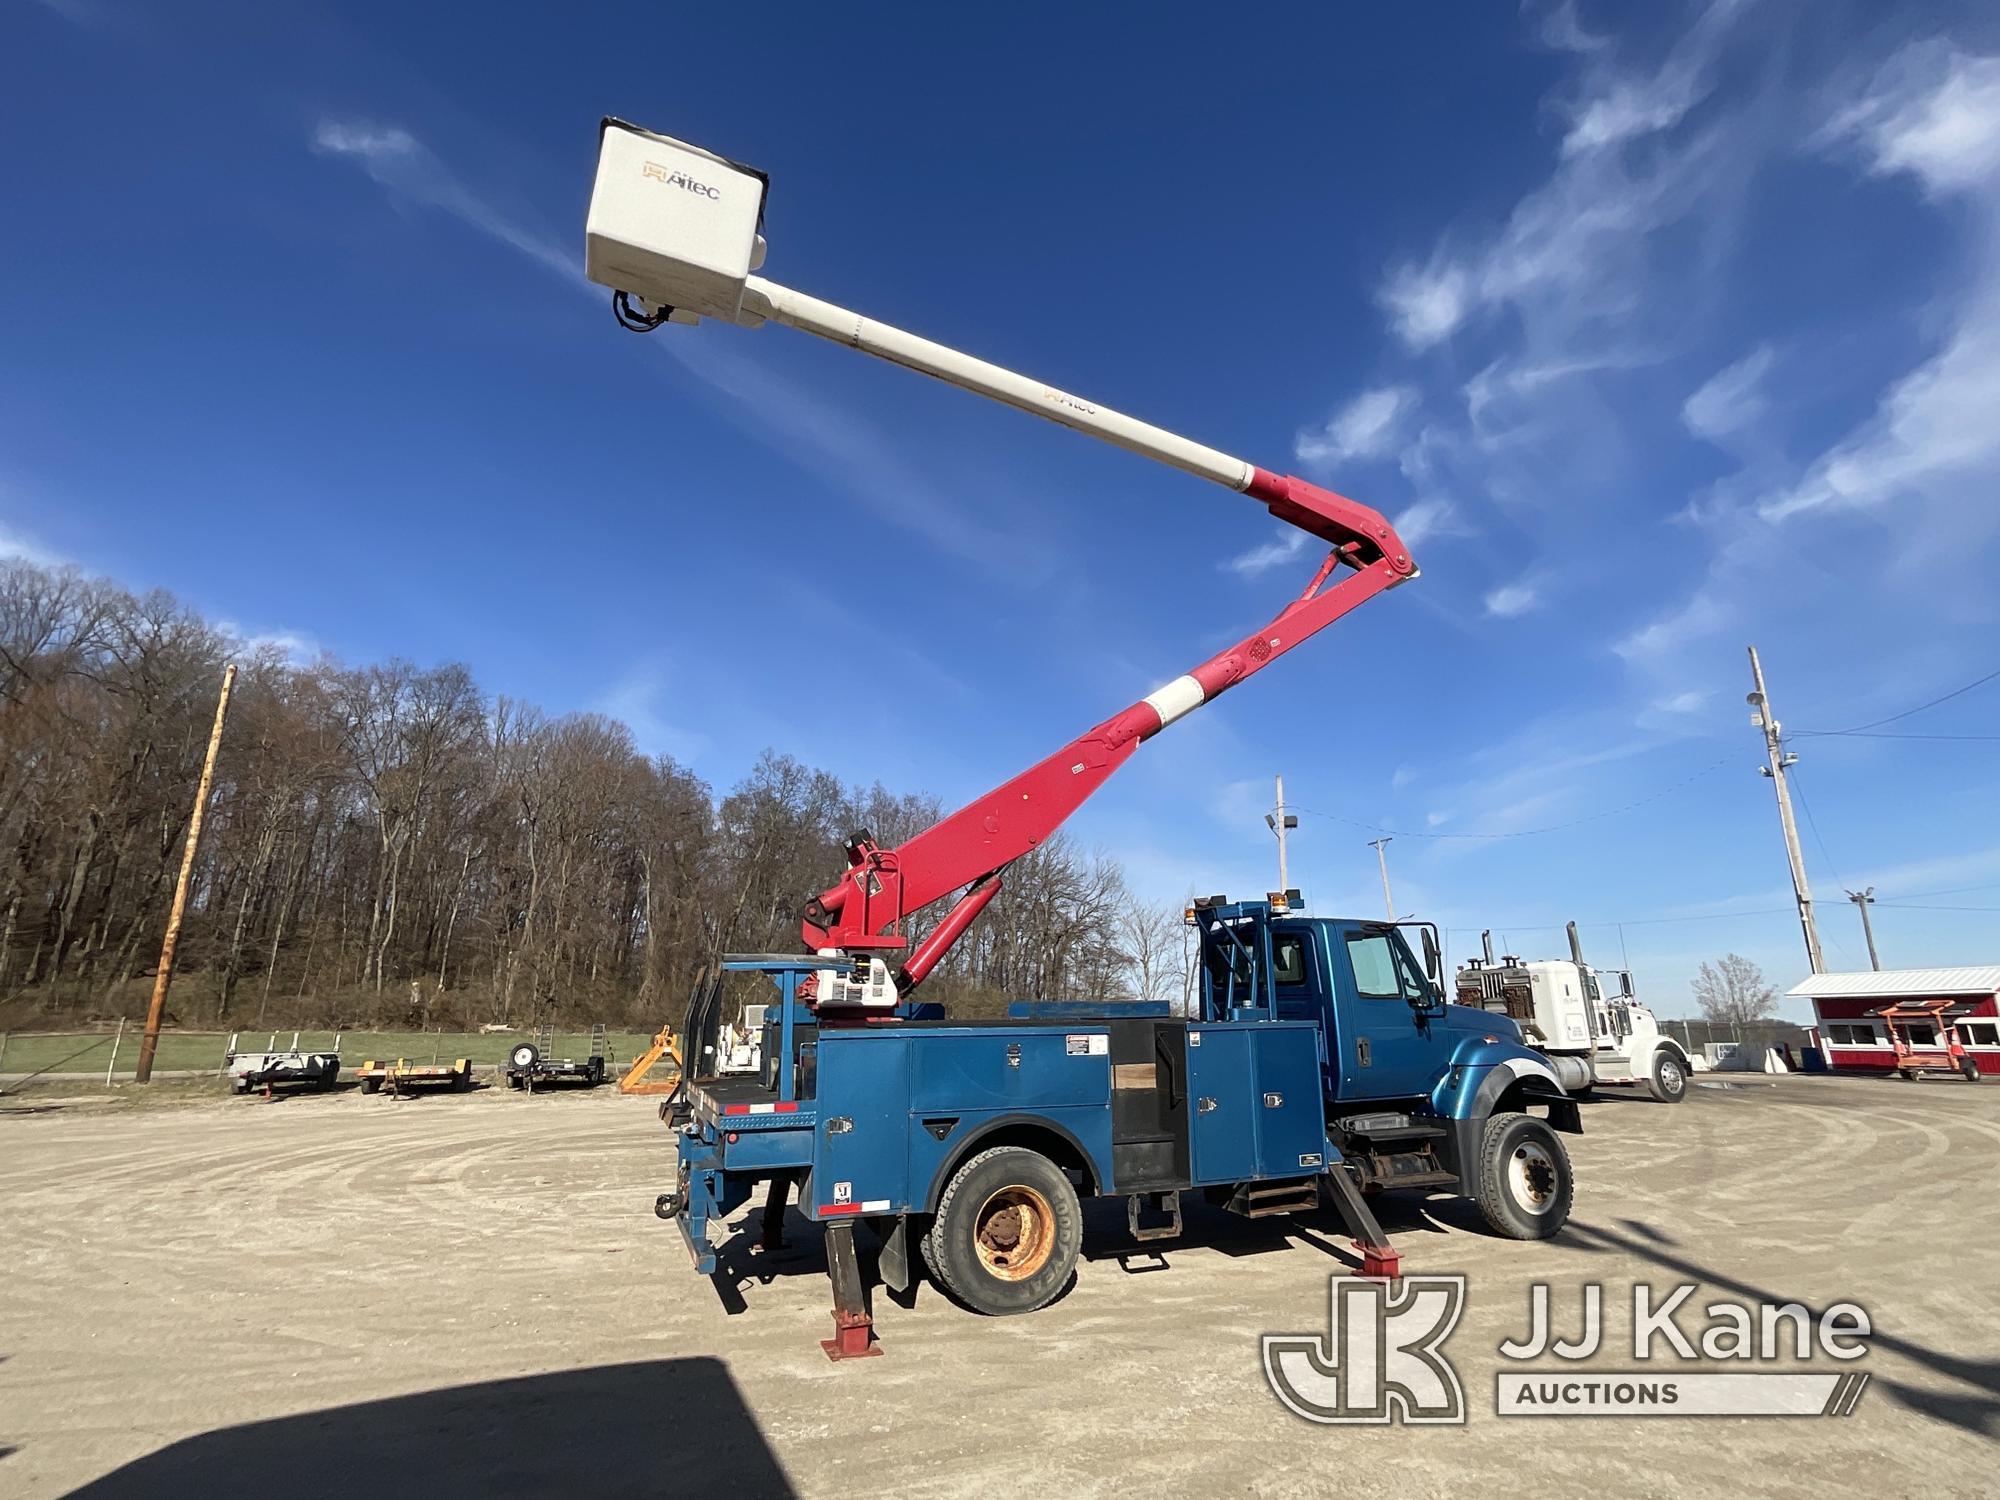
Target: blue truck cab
column 1316, row 1060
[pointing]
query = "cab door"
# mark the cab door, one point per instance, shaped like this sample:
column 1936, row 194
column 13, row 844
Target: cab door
column 1389, row 1047
column 1302, row 988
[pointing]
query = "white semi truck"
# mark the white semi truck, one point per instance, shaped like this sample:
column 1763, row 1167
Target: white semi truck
column 1587, row 1021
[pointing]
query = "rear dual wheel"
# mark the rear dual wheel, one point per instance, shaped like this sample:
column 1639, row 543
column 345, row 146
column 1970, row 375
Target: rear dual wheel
column 1007, row 1232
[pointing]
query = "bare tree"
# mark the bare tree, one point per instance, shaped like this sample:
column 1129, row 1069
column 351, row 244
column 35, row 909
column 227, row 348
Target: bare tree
column 375, row 828
column 1154, row 935
column 1732, row 991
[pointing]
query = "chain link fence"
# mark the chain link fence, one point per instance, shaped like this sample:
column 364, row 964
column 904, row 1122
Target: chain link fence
column 1695, row 1036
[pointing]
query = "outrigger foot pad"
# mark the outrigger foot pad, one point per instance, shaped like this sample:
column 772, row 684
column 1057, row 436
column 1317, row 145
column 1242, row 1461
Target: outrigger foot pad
column 853, row 1337
column 1380, row 1260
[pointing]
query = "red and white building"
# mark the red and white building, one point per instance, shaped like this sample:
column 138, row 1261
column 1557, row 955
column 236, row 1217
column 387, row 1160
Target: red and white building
column 1850, row 1034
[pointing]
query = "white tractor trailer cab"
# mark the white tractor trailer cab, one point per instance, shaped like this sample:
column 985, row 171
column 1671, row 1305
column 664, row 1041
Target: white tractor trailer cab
column 1587, row 1021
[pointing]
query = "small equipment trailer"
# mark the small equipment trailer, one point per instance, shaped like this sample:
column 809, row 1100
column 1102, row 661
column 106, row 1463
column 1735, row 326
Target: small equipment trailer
column 1321, row 1059
column 532, row 1065
column 261, row 1070
column 1586, row 1021
column 1924, row 1039
column 405, row 1077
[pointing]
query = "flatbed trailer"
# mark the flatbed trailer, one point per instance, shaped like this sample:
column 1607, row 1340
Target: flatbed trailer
column 532, row 1065
column 404, row 1077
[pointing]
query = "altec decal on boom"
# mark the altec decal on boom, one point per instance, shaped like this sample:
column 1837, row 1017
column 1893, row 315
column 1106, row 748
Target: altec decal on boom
column 672, row 255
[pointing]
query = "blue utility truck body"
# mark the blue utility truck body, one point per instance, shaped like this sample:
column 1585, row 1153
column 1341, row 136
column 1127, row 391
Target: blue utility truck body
column 1318, row 1054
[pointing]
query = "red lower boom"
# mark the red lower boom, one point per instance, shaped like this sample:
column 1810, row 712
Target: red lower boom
column 882, row 887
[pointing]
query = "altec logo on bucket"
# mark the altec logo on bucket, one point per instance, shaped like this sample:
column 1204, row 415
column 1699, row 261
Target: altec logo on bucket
column 672, row 178
column 1382, row 1358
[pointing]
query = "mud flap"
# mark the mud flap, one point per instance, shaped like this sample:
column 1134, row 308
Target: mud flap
column 894, row 1264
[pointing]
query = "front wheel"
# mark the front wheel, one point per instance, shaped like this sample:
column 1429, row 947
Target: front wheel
column 1007, row 1233
column 1969, row 1069
column 1668, row 1081
column 1524, row 1179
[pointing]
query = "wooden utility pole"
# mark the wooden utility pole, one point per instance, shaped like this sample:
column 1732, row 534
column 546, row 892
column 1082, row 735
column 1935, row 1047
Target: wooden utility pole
column 1864, row 900
column 1278, row 822
column 1382, row 859
column 151, row 1041
column 1777, row 761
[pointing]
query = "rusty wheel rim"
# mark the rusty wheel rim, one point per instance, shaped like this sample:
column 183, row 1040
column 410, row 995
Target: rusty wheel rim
column 1014, row 1233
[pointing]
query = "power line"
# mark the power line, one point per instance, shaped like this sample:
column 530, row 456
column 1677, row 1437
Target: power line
column 1813, row 823
column 1862, row 734
column 1957, row 890
column 1522, row 833
column 1913, row 906
column 1906, row 713
column 1720, row 916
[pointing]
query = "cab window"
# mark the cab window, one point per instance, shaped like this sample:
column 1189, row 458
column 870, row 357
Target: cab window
column 1381, row 971
column 1374, row 961
column 1288, row 958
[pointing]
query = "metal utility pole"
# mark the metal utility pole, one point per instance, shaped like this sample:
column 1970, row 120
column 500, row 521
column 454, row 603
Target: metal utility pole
column 151, row 1041
column 1864, row 900
column 1382, row 858
column 1278, row 822
column 1777, row 761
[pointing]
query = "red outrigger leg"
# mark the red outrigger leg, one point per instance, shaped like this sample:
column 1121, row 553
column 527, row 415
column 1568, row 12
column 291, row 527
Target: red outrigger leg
column 853, row 1330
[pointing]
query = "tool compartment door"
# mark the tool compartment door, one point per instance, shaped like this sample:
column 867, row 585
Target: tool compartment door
column 1290, row 1116
column 859, row 1164
column 1221, row 1079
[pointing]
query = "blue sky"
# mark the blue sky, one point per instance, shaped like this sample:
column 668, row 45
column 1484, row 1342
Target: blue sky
column 1660, row 332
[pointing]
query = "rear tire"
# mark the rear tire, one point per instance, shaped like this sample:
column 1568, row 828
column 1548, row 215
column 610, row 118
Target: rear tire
column 1969, row 1069
column 371, row 1085
column 1007, row 1232
column 1668, row 1081
column 1524, row 1180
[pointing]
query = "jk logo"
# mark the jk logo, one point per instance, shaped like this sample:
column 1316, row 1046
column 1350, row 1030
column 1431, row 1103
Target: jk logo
column 1380, row 1359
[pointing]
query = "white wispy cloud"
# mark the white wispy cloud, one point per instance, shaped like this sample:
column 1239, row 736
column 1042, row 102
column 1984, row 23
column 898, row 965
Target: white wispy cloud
column 1268, row 555
column 1932, row 114
column 1731, row 399
column 406, row 167
column 1558, row 29
column 1429, row 521
column 1701, row 615
column 1426, row 303
column 17, row 546
column 1511, row 600
column 1682, row 703
column 639, row 698
column 1366, row 427
column 297, row 647
column 1566, row 251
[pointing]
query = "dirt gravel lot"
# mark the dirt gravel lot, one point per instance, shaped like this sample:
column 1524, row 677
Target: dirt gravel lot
column 470, row 1295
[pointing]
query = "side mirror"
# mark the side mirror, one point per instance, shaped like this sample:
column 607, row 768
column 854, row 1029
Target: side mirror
column 1433, row 961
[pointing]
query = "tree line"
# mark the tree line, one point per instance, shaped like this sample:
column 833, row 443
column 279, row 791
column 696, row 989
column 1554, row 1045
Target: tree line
column 391, row 845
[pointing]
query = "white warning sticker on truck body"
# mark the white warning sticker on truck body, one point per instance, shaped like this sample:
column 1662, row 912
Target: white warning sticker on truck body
column 1087, row 1045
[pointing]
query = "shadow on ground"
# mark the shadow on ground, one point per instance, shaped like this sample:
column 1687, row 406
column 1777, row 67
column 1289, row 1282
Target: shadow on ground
column 657, row 1427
